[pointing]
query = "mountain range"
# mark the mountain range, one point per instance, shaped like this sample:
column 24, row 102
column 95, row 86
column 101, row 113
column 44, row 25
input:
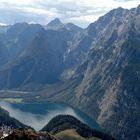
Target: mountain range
column 96, row 69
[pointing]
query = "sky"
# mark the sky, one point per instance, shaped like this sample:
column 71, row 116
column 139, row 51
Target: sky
column 80, row 12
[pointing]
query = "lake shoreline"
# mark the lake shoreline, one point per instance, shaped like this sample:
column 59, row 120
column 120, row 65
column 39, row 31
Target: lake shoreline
column 37, row 112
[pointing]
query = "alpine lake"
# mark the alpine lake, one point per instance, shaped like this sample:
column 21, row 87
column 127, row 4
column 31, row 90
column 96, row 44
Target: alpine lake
column 37, row 115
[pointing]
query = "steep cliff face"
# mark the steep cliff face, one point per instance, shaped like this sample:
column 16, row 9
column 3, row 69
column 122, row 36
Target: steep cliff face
column 109, row 87
column 84, row 41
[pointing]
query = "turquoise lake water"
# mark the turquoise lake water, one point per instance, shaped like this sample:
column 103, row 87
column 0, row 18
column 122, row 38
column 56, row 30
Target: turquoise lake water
column 37, row 115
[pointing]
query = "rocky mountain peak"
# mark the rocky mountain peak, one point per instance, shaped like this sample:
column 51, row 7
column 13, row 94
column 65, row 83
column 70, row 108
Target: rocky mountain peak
column 55, row 22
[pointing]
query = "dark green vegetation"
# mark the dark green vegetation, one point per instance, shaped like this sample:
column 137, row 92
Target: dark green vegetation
column 9, row 121
column 64, row 122
column 96, row 69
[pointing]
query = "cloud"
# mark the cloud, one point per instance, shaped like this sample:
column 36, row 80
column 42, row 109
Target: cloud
column 123, row 0
column 81, row 12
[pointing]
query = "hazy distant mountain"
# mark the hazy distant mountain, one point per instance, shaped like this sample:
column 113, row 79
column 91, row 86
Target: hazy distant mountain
column 39, row 60
column 56, row 24
column 17, row 38
column 33, row 55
